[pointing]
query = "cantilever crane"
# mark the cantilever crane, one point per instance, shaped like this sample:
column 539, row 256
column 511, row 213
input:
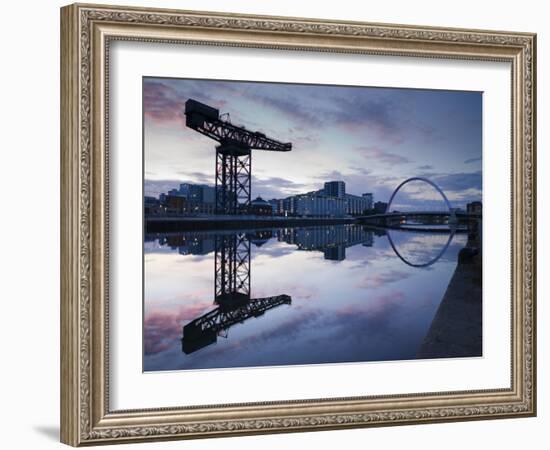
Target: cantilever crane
column 233, row 154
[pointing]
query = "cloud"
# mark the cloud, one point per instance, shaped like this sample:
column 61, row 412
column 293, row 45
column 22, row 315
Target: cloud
column 382, row 156
column 301, row 137
column 376, row 280
column 318, row 107
column 381, row 112
column 340, row 325
column 363, row 111
column 156, row 187
column 426, row 167
column 162, row 103
column 161, row 327
column 459, row 181
column 472, row 160
column 277, row 187
column 197, row 177
column 267, row 188
column 292, row 107
column 277, row 250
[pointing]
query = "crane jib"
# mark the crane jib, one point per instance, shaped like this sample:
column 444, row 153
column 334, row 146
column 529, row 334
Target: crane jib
column 233, row 155
column 205, row 119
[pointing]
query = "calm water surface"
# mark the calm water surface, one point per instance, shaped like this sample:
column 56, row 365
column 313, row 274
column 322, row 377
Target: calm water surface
column 327, row 294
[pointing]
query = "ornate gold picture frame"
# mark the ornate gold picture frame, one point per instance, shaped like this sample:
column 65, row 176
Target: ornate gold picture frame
column 87, row 32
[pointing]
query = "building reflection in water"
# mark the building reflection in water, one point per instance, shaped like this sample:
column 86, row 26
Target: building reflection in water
column 331, row 240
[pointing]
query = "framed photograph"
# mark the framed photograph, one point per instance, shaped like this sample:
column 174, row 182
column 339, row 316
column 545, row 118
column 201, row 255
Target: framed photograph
column 278, row 224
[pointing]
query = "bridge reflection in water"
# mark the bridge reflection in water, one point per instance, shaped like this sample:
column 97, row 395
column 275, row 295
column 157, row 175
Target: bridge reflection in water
column 234, row 304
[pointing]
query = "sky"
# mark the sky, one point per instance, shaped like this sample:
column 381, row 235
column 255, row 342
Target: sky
column 372, row 138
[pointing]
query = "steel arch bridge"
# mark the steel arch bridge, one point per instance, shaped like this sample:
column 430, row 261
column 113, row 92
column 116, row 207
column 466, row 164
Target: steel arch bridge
column 451, row 212
column 425, row 180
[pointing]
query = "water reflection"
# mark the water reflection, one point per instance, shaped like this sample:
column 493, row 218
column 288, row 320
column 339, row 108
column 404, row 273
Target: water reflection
column 424, row 261
column 232, row 292
column 304, row 295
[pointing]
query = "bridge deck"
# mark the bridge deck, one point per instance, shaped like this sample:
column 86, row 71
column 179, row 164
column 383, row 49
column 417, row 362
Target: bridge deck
column 420, row 214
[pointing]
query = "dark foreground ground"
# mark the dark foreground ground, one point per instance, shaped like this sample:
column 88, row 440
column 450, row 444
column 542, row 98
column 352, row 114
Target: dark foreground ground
column 456, row 330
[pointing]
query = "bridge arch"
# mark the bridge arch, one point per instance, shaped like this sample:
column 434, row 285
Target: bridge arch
column 425, row 180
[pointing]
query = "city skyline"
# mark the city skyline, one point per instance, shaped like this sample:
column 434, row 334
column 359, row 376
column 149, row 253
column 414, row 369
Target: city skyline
column 212, row 185
column 370, row 138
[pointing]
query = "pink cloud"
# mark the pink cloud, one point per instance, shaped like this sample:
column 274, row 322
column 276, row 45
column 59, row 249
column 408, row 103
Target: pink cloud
column 162, row 103
column 162, row 327
column 381, row 279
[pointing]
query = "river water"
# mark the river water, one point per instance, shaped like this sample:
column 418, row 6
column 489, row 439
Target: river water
column 307, row 295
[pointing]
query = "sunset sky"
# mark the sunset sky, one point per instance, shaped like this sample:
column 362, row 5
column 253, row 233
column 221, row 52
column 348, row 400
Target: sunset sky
column 371, row 138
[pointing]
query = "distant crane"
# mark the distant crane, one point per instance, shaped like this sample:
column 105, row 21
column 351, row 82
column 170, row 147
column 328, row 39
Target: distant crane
column 233, row 154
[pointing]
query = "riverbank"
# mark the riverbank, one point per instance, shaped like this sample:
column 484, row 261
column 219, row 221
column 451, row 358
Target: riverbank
column 163, row 224
column 456, row 330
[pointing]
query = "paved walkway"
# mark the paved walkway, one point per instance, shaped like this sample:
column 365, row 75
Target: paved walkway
column 456, row 330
